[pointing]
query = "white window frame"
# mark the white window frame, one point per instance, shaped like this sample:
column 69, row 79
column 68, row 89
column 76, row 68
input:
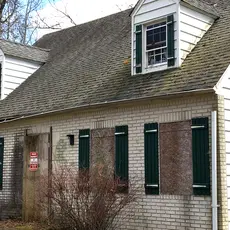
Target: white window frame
column 145, row 51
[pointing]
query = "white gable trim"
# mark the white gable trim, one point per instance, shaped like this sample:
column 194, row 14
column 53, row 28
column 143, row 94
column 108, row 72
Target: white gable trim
column 137, row 7
column 223, row 81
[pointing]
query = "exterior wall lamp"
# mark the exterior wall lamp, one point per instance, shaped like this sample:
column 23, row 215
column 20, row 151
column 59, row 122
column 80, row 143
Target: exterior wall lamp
column 71, row 139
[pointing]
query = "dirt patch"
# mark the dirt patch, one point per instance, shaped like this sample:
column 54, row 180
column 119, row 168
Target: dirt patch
column 19, row 225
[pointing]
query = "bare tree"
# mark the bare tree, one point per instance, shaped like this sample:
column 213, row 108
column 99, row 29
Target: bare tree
column 64, row 12
column 20, row 20
column 43, row 24
column 17, row 19
column 27, row 26
column 8, row 11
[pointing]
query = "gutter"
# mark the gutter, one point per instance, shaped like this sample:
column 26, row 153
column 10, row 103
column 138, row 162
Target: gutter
column 165, row 96
column 214, row 173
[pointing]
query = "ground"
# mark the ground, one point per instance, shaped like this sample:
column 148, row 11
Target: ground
column 19, row 225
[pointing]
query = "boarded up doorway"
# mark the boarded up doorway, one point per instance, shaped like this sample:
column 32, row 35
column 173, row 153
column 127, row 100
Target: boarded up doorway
column 31, row 179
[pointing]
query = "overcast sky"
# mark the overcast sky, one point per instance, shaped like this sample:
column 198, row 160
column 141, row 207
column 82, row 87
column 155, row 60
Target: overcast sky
column 82, row 11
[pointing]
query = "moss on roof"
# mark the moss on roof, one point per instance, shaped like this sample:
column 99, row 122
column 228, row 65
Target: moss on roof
column 88, row 64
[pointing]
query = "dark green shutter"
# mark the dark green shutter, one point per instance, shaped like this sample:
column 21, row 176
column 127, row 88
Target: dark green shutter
column 1, row 161
column 121, row 152
column 1, row 79
column 200, row 152
column 84, row 148
column 151, row 158
column 139, row 49
column 170, row 40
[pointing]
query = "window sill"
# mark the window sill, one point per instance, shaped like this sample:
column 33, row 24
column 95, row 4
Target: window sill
column 155, row 68
column 157, row 65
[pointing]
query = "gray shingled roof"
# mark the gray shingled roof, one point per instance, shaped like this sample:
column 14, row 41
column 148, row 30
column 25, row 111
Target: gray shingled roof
column 87, row 65
column 206, row 6
column 24, row 51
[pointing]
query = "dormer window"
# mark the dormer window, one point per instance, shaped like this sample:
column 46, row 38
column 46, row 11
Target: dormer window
column 164, row 32
column 156, row 43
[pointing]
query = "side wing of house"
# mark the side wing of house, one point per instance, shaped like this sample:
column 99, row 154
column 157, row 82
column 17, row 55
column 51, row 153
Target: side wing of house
column 15, row 71
column 223, row 88
column 18, row 62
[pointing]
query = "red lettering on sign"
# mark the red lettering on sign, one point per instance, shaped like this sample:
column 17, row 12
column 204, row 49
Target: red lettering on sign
column 33, row 154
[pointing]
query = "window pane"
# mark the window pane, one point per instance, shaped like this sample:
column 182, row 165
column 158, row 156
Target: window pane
column 158, row 51
column 158, row 59
column 159, row 24
column 157, row 56
column 151, row 58
column 157, row 30
column 150, row 40
column 163, row 36
column 164, row 59
column 163, row 29
column 150, row 27
column 156, row 43
column 156, row 38
column 164, row 55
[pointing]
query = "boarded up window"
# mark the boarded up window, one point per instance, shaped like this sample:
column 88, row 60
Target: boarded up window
column 102, row 150
column 176, row 158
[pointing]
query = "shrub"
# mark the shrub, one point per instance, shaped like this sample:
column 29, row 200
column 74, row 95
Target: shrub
column 82, row 201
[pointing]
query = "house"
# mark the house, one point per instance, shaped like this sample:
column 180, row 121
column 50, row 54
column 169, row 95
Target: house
column 152, row 82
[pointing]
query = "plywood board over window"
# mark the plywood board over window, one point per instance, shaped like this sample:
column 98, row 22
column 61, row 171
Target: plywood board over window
column 176, row 158
column 102, row 151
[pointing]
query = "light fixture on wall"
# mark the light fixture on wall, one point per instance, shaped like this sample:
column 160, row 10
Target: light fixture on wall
column 71, row 139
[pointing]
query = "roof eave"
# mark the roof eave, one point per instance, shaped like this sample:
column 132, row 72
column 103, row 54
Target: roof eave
column 41, row 61
column 94, row 105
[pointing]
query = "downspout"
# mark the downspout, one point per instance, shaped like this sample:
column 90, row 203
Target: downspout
column 214, row 172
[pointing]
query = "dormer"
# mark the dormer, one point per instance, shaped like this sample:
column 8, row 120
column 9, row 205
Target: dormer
column 164, row 32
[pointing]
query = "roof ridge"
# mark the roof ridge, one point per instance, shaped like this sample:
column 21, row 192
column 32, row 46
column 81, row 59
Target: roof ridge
column 29, row 46
column 88, row 22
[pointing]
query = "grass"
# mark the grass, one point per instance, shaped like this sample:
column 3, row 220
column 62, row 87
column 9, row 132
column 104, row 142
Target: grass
column 19, row 225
